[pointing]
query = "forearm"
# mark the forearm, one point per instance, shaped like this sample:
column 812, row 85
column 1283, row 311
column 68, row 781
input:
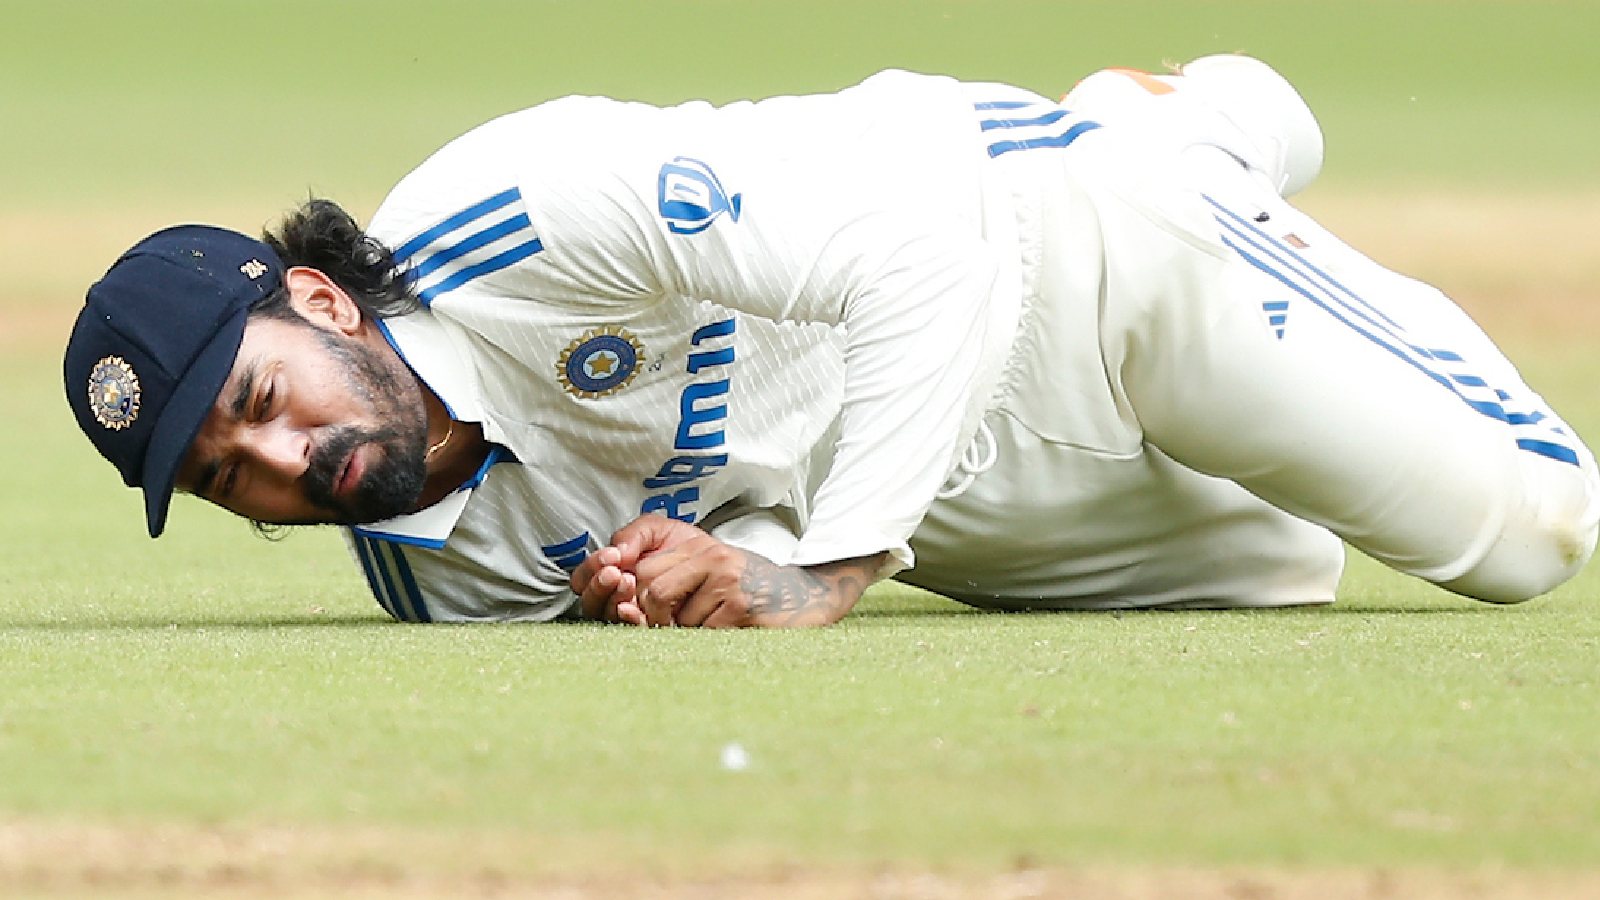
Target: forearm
column 918, row 341
column 795, row 596
column 660, row 571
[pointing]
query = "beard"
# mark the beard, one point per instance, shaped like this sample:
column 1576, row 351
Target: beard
column 393, row 482
column 390, row 486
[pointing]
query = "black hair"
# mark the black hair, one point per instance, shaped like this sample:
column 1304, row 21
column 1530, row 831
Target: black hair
column 322, row 236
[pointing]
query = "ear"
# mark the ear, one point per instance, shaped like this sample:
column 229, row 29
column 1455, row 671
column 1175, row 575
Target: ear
column 317, row 297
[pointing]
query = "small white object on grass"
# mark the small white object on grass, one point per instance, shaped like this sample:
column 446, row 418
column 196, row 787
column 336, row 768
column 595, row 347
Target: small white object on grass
column 734, row 757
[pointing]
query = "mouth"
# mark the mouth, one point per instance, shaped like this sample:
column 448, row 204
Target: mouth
column 355, row 478
column 349, row 478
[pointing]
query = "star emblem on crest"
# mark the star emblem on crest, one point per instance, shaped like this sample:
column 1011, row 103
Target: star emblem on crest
column 599, row 363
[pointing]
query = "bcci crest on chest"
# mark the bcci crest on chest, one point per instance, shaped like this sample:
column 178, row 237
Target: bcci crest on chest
column 600, row 363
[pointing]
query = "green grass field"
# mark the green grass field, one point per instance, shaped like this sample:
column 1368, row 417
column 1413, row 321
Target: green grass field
column 216, row 715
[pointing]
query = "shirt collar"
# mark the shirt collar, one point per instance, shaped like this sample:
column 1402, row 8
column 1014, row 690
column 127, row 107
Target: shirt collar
column 426, row 346
column 431, row 525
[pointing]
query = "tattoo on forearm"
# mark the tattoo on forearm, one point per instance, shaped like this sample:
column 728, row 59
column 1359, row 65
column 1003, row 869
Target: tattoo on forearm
column 796, row 596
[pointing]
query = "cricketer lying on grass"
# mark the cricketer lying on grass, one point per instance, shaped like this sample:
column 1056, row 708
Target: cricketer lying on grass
column 729, row 366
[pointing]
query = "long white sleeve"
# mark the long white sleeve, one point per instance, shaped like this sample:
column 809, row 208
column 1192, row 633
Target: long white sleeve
column 861, row 210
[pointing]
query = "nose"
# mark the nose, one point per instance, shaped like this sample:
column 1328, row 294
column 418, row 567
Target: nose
column 282, row 450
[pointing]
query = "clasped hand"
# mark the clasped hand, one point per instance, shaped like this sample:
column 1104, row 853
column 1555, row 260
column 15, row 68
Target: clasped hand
column 660, row 571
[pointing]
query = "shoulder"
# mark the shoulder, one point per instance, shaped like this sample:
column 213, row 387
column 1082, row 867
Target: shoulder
column 541, row 148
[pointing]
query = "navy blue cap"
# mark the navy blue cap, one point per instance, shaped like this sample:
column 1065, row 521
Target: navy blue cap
column 153, row 345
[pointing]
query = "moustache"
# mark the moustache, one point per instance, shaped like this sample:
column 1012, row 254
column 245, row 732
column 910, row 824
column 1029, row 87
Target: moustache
column 388, row 484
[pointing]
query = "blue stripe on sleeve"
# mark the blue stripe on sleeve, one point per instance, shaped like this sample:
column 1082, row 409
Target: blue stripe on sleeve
column 1048, row 118
column 456, row 251
column 397, row 597
column 395, row 605
column 1547, row 448
column 471, row 213
column 418, row 606
column 493, row 264
column 364, row 553
column 1061, row 140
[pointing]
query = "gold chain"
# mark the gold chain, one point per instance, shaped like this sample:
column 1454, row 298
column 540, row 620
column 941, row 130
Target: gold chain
column 448, row 434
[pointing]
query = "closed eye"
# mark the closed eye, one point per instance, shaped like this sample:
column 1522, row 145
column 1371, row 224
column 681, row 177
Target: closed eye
column 264, row 407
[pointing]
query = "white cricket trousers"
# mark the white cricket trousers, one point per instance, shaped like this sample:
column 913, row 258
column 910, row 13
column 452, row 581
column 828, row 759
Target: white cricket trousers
column 1257, row 388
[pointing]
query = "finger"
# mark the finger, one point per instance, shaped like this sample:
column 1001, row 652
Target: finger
column 657, row 610
column 666, row 581
column 599, row 598
column 591, row 566
column 629, row 614
column 625, row 552
column 627, row 590
column 728, row 615
column 645, row 534
column 653, row 566
column 662, row 592
column 584, row 573
column 634, row 528
column 697, row 609
column 719, row 602
column 650, row 534
column 710, row 578
column 661, row 599
column 671, row 577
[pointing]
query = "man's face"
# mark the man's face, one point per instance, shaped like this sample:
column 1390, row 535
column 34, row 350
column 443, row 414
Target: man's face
column 313, row 425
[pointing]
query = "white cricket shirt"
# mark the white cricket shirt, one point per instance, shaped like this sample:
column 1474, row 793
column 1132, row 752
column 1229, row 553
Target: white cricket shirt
column 800, row 304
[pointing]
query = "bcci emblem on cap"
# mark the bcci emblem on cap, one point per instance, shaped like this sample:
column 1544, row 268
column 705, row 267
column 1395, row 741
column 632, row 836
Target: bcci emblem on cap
column 114, row 393
column 600, row 363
